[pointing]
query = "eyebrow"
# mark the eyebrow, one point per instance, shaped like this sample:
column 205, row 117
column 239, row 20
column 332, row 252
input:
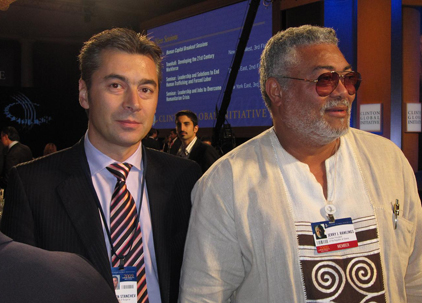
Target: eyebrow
column 124, row 79
column 329, row 67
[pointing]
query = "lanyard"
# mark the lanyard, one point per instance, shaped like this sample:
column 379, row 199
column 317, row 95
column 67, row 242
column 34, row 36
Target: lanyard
column 122, row 257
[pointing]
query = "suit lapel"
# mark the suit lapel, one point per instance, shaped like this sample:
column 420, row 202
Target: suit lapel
column 194, row 151
column 80, row 201
column 158, row 194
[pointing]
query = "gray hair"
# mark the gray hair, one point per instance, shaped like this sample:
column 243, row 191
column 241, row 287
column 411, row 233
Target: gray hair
column 280, row 52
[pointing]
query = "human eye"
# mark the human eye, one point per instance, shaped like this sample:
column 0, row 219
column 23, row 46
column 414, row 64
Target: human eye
column 146, row 91
column 324, row 78
column 350, row 76
column 115, row 85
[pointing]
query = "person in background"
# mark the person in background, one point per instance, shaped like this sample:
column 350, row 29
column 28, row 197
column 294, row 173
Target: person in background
column 49, row 149
column 151, row 140
column 2, row 155
column 206, row 140
column 31, row 274
column 16, row 152
column 250, row 236
column 174, row 143
column 123, row 207
column 192, row 148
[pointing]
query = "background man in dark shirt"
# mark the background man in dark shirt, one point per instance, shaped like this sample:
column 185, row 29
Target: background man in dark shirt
column 15, row 152
column 192, row 148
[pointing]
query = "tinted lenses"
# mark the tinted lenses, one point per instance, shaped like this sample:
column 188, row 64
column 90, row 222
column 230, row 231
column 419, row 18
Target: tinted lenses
column 327, row 82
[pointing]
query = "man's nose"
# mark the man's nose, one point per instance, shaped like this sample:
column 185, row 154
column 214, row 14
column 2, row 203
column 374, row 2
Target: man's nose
column 132, row 100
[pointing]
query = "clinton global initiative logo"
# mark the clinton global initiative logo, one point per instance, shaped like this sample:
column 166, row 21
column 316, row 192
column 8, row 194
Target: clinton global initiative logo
column 23, row 111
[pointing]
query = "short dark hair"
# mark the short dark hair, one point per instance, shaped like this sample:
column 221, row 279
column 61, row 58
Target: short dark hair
column 190, row 114
column 122, row 39
column 152, row 131
column 11, row 133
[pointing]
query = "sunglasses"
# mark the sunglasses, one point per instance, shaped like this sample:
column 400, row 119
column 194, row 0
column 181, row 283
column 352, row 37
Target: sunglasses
column 326, row 83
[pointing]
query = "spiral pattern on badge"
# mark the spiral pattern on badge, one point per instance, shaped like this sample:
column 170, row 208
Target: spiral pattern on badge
column 328, row 278
column 361, row 274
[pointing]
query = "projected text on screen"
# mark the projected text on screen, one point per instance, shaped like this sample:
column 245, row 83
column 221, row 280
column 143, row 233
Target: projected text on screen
column 198, row 52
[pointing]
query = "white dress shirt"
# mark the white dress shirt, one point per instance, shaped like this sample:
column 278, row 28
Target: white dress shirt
column 184, row 152
column 104, row 183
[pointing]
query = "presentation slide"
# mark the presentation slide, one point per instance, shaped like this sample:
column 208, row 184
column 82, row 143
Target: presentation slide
column 198, row 53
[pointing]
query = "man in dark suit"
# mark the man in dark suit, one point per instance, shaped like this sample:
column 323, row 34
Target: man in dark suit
column 16, row 152
column 192, row 148
column 172, row 146
column 30, row 274
column 151, row 140
column 63, row 201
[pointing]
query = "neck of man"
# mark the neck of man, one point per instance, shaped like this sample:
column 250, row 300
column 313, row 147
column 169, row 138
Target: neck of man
column 185, row 143
column 114, row 151
column 306, row 152
column 309, row 148
column 309, row 152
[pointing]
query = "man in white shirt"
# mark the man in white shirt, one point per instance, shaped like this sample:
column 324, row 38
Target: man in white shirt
column 252, row 233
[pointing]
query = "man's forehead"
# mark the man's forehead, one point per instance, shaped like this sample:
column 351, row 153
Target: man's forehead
column 183, row 118
column 113, row 58
column 319, row 57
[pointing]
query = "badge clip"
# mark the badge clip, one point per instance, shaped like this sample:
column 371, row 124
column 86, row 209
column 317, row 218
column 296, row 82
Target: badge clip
column 122, row 263
column 396, row 211
column 330, row 210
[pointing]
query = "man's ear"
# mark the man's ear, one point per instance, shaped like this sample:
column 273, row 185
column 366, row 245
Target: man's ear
column 274, row 91
column 83, row 94
column 195, row 129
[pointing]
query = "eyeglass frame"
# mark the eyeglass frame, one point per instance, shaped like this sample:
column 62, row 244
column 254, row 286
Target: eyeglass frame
column 340, row 74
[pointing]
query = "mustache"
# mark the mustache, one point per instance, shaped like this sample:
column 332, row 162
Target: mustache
column 335, row 103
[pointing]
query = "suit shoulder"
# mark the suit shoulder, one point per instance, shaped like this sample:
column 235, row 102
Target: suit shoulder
column 37, row 268
column 210, row 149
column 50, row 162
column 171, row 162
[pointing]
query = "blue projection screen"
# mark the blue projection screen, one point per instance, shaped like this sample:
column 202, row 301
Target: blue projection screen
column 198, row 52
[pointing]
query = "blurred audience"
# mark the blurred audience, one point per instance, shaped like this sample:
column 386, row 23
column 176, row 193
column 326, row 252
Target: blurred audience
column 49, row 149
column 15, row 153
column 151, row 140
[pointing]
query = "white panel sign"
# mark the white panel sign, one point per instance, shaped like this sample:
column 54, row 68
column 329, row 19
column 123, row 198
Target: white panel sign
column 370, row 117
column 413, row 117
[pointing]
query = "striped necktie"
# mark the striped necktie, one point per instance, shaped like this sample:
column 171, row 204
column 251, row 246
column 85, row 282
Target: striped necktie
column 123, row 218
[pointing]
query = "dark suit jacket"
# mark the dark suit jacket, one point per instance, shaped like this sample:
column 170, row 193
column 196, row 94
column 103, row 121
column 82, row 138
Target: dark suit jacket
column 151, row 143
column 175, row 146
column 19, row 153
column 2, row 155
column 51, row 203
column 203, row 154
column 30, row 274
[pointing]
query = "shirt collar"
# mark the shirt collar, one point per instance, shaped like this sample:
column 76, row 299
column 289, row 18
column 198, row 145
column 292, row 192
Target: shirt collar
column 98, row 161
column 12, row 144
column 191, row 144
